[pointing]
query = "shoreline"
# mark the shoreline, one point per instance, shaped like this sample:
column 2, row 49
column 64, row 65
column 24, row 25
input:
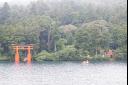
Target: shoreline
column 81, row 61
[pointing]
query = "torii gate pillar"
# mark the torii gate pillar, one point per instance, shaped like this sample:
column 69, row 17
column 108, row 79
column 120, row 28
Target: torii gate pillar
column 17, row 57
column 29, row 57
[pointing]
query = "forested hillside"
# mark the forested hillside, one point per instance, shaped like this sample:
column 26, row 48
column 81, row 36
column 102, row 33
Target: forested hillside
column 65, row 29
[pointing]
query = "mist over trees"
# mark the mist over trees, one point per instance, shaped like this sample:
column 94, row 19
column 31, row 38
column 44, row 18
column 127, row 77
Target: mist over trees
column 65, row 29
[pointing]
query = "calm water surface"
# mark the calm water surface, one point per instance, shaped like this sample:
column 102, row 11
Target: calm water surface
column 64, row 73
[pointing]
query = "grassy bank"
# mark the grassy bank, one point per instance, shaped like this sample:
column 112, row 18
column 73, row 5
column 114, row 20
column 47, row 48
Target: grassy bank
column 4, row 58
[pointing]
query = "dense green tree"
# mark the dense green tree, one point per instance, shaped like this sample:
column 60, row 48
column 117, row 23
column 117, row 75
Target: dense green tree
column 93, row 36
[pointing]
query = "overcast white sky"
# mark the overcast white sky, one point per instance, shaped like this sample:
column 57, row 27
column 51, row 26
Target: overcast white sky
column 16, row 1
column 25, row 2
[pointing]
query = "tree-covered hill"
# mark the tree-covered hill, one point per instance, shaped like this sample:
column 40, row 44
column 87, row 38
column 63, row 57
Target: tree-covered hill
column 65, row 29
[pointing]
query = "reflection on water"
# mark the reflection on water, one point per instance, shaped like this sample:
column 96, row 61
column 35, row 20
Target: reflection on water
column 64, row 73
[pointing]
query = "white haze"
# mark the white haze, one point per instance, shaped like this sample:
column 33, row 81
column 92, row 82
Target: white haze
column 96, row 2
column 17, row 2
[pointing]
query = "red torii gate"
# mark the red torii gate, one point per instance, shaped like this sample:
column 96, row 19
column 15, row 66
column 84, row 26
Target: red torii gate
column 17, row 47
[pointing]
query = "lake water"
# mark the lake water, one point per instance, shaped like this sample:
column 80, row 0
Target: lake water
column 64, row 73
